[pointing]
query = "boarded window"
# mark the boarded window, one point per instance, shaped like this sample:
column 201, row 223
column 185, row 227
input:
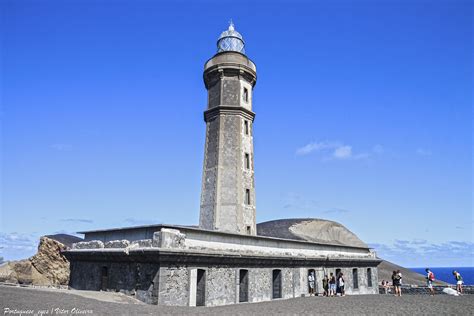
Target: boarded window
column 247, row 196
column 369, row 277
column 355, row 278
column 276, row 284
column 243, row 285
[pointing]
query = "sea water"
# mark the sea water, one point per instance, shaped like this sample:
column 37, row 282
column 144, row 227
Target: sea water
column 446, row 274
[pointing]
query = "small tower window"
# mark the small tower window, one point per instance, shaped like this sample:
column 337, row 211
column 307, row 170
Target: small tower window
column 248, row 230
column 246, row 127
column 247, row 196
column 246, row 95
column 247, row 161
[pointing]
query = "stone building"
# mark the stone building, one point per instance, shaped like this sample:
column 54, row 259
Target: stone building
column 224, row 260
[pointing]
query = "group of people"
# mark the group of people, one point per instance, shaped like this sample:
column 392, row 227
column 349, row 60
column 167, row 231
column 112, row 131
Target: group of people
column 430, row 277
column 332, row 285
column 396, row 282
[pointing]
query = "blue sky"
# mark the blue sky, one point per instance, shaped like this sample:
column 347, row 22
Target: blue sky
column 364, row 116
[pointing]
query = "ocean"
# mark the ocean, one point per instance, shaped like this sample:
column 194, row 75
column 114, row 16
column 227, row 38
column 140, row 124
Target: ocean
column 446, row 274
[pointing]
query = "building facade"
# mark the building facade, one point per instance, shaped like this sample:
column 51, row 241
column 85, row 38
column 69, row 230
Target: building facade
column 223, row 261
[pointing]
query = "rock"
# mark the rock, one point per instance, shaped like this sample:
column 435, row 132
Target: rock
column 47, row 267
column 50, row 262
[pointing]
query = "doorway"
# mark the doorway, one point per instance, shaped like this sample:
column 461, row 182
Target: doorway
column 201, row 288
column 276, row 284
column 104, row 280
column 311, row 281
column 243, row 286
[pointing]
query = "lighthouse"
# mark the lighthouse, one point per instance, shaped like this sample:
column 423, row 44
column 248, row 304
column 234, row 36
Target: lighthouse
column 228, row 184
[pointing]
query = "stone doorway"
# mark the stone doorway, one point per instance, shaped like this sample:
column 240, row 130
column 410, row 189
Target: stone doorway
column 311, row 290
column 276, row 284
column 201, row 288
column 243, row 286
column 104, row 280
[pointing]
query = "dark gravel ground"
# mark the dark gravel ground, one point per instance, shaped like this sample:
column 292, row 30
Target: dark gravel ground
column 68, row 303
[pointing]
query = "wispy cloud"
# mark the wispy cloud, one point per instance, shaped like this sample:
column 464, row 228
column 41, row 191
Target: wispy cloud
column 334, row 150
column 423, row 152
column 61, row 147
column 295, row 201
column 336, row 211
column 139, row 221
column 77, row 220
column 16, row 245
column 317, row 146
column 419, row 252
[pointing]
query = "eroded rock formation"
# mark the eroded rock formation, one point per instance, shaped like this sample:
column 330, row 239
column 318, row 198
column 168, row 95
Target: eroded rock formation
column 47, row 267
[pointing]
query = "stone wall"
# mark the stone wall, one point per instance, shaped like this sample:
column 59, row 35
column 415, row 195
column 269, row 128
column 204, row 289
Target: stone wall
column 220, row 286
column 175, row 285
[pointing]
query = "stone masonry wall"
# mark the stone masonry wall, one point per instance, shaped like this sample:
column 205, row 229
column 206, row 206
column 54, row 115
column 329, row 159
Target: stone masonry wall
column 171, row 284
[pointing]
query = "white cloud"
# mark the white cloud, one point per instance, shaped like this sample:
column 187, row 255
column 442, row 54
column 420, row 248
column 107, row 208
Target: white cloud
column 342, row 152
column 316, row 146
column 17, row 246
column 333, row 150
column 419, row 252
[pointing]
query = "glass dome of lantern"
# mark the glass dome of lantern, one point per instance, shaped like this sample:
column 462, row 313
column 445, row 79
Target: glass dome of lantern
column 230, row 41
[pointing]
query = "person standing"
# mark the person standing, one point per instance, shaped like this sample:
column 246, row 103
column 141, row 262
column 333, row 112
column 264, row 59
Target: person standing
column 429, row 281
column 459, row 281
column 311, row 283
column 326, row 285
column 332, row 285
column 396, row 281
column 341, row 284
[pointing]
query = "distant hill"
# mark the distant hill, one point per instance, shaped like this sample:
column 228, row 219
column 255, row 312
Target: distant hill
column 66, row 240
column 310, row 229
column 324, row 231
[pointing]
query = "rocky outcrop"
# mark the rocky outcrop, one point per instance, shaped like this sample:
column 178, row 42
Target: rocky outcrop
column 48, row 267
